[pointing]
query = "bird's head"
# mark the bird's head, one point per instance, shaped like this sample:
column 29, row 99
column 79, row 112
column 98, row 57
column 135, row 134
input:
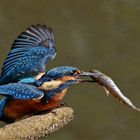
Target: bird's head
column 64, row 75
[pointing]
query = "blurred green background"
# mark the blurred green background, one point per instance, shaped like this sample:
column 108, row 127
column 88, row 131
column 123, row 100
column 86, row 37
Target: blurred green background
column 102, row 34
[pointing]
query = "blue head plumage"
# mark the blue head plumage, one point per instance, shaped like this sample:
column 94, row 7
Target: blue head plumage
column 56, row 73
column 61, row 71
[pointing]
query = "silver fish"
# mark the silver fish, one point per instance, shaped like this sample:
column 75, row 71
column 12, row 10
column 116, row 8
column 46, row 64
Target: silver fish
column 111, row 88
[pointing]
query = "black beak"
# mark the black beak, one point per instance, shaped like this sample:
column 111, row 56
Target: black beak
column 86, row 77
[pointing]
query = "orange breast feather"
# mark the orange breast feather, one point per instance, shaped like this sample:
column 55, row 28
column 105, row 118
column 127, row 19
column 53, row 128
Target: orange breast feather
column 19, row 108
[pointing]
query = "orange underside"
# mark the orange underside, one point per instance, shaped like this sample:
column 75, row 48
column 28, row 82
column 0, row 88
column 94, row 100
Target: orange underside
column 18, row 108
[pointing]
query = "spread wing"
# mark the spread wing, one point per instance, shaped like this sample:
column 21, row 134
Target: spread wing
column 21, row 91
column 30, row 53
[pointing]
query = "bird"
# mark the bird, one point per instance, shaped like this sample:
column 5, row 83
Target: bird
column 29, row 88
column 26, row 86
column 46, row 93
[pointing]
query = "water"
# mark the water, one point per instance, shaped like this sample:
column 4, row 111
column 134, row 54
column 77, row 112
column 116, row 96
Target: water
column 88, row 34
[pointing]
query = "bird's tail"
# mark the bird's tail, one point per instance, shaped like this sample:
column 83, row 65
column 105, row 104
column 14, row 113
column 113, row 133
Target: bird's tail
column 3, row 102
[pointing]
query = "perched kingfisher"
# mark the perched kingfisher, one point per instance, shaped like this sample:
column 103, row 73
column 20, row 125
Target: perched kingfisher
column 29, row 89
column 26, row 86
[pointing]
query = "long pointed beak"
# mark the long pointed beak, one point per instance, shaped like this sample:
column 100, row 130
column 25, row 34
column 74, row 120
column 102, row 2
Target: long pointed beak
column 84, row 77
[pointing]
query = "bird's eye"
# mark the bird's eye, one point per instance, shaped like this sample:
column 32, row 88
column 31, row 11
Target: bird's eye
column 74, row 73
column 71, row 73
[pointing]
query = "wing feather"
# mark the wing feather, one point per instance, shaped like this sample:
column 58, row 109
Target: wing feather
column 30, row 53
column 21, row 91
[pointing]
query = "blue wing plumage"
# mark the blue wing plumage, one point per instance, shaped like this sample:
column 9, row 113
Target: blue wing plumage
column 3, row 102
column 21, row 91
column 30, row 53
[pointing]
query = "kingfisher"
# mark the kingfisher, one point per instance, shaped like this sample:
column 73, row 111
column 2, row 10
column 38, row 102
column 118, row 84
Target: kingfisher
column 28, row 89
column 25, row 84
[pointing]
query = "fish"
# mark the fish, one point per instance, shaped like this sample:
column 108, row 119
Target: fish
column 111, row 88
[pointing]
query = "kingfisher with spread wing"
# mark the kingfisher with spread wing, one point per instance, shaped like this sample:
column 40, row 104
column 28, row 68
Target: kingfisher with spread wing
column 26, row 85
